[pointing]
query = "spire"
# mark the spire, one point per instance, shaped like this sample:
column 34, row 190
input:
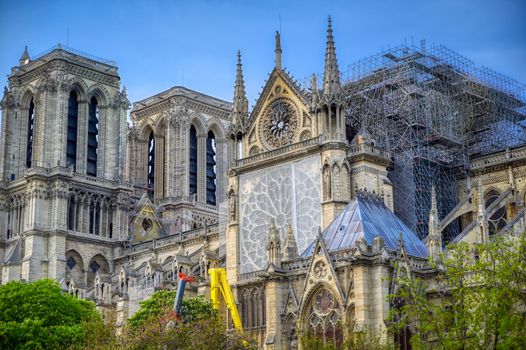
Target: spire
column 331, row 75
column 314, row 90
column 274, row 248
column 433, row 214
column 24, row 59
column 240, row 103
column 433, row 199
column 290, row 249
column 278, row 50
column 434, row 240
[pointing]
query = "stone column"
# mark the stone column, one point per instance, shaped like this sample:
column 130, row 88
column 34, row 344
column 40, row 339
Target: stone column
column 62, row 125
column 232, row 234
column 56, row 256
column 222, row 158
column 159, row 166
column 35, row 251
column 275, row 294
column 51, row 141
column 3, row 140
column 201, row 168
column 182, row 157
column 82, row 137
column 170, row 160
column 104, row 143
column 3, row 220
column 40, row 129
column 379, row 304
column 361, row 295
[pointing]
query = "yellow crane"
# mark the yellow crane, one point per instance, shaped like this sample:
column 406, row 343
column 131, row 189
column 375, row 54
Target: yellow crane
column 219, row 286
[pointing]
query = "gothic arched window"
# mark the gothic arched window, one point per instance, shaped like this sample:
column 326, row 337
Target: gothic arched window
column 93, row 137
column 30, row 133
column 73, row 115
column 211, row 168
column 323, row 319
column 92, row 218
column 151, row 163
column 72, row 208
column 193, row 161
column 498, row 220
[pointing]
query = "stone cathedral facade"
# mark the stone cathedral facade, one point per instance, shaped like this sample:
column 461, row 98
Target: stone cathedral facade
column 299, row 214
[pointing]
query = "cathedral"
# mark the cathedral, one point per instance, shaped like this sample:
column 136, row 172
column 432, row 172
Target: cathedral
column 311, row 199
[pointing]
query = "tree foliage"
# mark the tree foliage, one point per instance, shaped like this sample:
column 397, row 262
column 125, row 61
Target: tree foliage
column 478, row 299
column 155, row 326
column 161, row 303
column 40, row 316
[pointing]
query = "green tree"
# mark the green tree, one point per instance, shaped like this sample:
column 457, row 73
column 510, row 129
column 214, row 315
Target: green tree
column 155, row 326
column 161, row 304
column 40, row 315
column 477, row 299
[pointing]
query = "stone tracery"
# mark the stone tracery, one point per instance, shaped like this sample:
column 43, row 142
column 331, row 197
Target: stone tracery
column 290, row 194
column 323, row 318
column 280, row 124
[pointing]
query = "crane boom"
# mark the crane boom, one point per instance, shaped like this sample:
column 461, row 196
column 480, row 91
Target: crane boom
column 219, row 287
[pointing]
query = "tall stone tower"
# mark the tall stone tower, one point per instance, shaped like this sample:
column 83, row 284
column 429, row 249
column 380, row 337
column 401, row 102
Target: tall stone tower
column 328, row 108
column 63, row 203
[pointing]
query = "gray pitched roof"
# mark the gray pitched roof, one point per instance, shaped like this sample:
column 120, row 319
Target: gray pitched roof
column 368, row 218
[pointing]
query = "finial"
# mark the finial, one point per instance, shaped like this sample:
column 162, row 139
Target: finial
column 278, row 50
column 331, row 76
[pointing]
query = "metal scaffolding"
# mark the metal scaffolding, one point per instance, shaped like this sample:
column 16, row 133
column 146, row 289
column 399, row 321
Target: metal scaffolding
column 434, row 110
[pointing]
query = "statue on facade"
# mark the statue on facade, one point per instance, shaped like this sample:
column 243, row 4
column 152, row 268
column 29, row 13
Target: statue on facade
column 327, row 183
column 232, row 205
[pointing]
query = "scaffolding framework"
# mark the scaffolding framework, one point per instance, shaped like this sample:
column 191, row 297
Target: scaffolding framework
column 433, row 109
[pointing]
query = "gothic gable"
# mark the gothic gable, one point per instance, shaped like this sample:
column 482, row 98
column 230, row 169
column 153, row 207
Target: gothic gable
column 281, row 115
column 145, row 223
column 321, row 272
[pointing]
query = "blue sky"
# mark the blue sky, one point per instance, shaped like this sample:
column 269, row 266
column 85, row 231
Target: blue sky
column 159, row 44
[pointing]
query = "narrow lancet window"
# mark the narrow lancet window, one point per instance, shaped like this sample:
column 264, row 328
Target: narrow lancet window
column 151, row 164
column 73, row 114
column 30, row 133
column 193, row 161
column 211, row 169
column 93, row 137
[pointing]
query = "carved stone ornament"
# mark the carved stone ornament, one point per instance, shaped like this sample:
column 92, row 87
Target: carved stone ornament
column 320, row 270
column 280, row 124
column 7, row 99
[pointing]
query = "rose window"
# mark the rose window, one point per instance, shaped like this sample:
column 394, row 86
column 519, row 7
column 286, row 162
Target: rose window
column 280, row 124
column 324, row 302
